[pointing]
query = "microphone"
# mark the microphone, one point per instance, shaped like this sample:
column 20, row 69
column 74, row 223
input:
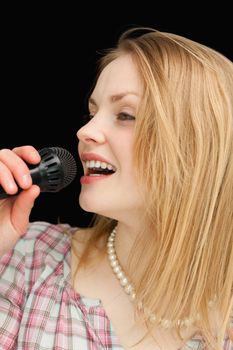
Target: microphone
column 56, row 170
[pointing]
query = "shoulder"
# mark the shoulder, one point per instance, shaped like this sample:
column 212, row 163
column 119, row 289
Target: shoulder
column 47, row 234
column 38, row 228
column 44, row 239
column 46, row 249
column 83, row 243
column 82, row 235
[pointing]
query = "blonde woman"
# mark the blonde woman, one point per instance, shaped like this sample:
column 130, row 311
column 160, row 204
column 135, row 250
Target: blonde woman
column 155, row 270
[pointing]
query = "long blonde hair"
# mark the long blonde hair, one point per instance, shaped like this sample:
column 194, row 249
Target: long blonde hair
column 184, row 163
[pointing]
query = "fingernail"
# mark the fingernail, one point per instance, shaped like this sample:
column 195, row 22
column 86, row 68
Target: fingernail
column 11, row 186
column 26, row 179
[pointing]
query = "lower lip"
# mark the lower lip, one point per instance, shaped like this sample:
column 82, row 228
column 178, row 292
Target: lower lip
column 85, row 180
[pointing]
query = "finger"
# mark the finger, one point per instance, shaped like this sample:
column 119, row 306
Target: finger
column 7, row 180
column 17, row 167
column 22, row 208
column 28, row 153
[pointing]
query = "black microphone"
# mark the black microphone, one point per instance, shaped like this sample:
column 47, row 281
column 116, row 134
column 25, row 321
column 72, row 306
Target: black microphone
column 56, row 170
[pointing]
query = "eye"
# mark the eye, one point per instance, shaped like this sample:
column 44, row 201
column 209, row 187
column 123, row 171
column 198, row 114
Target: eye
column 125, row 116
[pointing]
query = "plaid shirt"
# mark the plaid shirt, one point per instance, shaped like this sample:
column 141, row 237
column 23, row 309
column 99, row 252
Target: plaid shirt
column 39, row 309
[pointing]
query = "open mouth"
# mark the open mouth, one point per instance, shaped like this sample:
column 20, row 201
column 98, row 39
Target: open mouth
column 98, row 168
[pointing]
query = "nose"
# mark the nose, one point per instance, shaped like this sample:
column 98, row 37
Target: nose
column 92, row 132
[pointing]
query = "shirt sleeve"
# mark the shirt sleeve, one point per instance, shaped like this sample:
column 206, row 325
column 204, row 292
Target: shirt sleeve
column 12, row 295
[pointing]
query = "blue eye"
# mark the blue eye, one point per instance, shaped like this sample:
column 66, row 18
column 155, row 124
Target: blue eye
column 125, row 116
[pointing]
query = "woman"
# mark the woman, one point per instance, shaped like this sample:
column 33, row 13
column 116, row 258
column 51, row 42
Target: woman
column 155, row 269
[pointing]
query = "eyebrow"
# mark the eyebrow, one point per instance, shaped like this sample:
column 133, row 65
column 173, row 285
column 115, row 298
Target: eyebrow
column 114, row 98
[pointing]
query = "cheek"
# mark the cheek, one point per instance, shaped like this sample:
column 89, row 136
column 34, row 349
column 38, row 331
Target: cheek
column 124, row 147
column 128, row 149
column 127, row 166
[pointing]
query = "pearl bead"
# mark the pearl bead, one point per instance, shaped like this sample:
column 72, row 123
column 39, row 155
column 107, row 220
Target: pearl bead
column 124, row 281
column 120, row 275
column 129, row 289
column 117, row 269
column 132, row 296
column 112, row 257
column 111, row 251
column 114, row 263
column 166, row 324
column 152, row 318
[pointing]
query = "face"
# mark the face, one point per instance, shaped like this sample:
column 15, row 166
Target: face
column 109, row 187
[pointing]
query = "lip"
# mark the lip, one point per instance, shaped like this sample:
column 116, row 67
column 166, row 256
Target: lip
column 94, row 156
column 86, row 180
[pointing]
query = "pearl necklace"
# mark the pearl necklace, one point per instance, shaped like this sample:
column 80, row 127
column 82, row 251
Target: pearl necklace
column 129, row 289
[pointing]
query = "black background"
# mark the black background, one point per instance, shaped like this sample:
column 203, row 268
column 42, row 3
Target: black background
column 48, row 58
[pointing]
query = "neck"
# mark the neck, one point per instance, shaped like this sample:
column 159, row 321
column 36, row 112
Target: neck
column 125, row 238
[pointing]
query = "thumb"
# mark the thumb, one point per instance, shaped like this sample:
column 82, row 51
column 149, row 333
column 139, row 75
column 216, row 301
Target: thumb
column 22, row 207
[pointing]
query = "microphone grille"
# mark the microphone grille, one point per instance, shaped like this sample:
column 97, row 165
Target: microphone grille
column 60, row 166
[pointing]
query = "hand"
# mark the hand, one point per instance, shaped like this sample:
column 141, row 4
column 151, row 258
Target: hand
column 15, row 210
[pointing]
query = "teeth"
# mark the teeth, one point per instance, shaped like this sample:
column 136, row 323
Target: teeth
column 97, row 164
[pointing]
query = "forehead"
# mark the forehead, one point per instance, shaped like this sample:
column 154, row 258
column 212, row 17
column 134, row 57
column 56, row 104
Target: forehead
column 118, row 77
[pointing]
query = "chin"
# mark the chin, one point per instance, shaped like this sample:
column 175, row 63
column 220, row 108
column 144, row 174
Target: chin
column 86, row 206
column 96, row 208
column 90, row 205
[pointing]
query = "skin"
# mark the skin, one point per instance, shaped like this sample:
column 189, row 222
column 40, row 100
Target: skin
column 118, row 197
column 110, row 133
column 15, row 211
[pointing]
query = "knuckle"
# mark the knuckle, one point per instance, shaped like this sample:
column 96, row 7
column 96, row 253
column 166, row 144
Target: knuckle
column 4, row 152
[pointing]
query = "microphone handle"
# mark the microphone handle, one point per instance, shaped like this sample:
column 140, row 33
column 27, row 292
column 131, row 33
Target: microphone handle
column 4, row 195
column 56, row 170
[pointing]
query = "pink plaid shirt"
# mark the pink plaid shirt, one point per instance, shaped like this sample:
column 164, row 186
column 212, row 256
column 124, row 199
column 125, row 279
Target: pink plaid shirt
column 39, row 309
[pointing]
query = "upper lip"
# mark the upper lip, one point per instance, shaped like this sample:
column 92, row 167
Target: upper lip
column 93, row 156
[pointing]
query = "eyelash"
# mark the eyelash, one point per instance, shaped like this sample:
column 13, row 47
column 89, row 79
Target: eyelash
column 120, row 116
column 125, row 116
